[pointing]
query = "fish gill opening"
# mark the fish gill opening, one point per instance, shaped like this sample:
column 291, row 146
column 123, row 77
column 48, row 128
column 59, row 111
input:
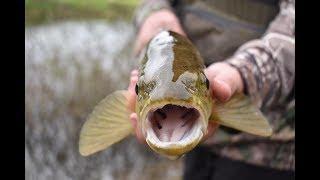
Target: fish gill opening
column 172, row 123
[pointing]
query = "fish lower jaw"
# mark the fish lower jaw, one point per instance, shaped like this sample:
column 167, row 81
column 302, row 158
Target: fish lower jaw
column 173, row 150
column 172, row 129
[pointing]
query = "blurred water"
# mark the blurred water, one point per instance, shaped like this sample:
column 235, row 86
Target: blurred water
column 70, row 67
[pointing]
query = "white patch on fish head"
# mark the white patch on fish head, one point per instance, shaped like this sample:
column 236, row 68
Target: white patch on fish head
column 159, row 68
column 160, row 57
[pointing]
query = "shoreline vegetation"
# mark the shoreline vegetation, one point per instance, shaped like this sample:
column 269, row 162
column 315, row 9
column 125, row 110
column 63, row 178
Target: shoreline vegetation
column 43, row 12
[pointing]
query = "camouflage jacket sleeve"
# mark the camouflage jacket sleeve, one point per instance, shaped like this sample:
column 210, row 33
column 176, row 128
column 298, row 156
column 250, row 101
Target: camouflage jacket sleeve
column 146, row 8
column 267, row 65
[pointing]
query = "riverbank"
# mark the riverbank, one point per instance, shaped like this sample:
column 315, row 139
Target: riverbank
column 42, row 12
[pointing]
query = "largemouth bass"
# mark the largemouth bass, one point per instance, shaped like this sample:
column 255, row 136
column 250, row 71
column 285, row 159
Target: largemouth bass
column 174, row 104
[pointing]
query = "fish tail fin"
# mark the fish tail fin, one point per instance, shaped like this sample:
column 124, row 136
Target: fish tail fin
column 107, row 124
column 239, row 113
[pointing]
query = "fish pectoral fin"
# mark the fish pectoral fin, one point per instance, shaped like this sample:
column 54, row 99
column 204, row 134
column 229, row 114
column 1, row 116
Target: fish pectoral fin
column 107, row 124
column 239, row 113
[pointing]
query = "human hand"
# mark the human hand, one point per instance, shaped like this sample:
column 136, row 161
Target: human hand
column 132, row 102
column 157, row 21
column 225, row 80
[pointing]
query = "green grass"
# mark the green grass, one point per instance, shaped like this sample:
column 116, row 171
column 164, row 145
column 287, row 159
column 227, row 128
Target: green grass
column 45, row 11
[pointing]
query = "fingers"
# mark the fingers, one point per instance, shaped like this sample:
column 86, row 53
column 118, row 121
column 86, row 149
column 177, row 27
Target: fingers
column 145, row 35
column 224, row 79
column 132, row 99
column 176, row 27
column 133, row 81
column 134, row 122
column 131, row 88
column 219, row 84
column 212, row 127
column 150, row 28
column 143, row 38
column 223, row 87
column 160, row 20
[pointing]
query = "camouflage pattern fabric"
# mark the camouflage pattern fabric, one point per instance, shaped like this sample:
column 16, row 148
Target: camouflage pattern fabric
column 258, row 38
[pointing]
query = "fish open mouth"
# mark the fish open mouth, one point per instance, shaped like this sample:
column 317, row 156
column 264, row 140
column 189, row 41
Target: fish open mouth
column 172, row 123
column 174, row 128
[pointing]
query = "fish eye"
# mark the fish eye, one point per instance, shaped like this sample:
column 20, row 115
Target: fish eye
column 207, row 83
column 137, row 89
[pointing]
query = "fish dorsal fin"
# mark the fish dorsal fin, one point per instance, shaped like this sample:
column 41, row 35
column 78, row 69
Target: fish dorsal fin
column 239, row 113
column 107, row 124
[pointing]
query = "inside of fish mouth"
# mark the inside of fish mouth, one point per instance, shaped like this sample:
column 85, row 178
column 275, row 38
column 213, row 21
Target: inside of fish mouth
column 172, row 123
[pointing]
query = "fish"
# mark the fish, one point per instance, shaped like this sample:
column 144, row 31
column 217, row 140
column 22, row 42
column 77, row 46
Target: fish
column 174, row 104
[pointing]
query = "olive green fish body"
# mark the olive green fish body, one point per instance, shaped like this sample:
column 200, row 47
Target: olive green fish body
column 174, row 104
column 172, row 73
